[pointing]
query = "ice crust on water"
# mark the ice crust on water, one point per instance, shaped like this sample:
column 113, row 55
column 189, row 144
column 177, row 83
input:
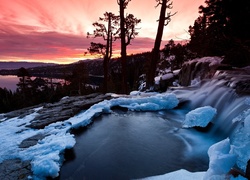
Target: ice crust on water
column 199, row 117
column 151, row 103
column 136, row 103
column 46, row 156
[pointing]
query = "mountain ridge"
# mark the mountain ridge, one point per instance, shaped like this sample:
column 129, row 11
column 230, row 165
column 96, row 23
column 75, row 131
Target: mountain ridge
column 8, row 65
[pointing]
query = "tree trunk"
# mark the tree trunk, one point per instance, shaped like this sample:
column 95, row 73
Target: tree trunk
column 123, row 48
column 106, row 57
column 156, row 50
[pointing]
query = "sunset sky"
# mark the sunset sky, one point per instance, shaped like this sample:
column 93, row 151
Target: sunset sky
column 55, row 30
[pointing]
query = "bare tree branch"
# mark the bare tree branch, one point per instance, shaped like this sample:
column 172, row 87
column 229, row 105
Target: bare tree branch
column 159, row 3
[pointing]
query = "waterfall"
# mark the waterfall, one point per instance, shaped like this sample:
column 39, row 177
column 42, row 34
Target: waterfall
column 220, row 93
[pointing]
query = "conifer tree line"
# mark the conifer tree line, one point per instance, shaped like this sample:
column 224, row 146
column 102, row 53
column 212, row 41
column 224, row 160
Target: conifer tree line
column 28, row 93
column 33, row 91
column 222, row 29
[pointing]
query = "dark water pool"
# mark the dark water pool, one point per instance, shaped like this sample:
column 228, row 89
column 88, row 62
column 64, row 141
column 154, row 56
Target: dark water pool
column 130, row 145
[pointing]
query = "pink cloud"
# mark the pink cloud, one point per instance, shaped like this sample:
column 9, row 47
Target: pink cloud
column 46, row 29
column 39, row 45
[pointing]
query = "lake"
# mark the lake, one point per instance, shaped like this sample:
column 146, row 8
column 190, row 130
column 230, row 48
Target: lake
column 10, row 81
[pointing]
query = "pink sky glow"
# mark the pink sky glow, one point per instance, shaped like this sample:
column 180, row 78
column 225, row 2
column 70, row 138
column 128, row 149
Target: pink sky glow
column 55, row 30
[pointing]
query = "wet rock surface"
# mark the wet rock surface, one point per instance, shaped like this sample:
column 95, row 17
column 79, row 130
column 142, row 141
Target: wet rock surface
column 59, row 111
column 15, row 169
column 64, row 109
column 243, row 87
column 31, row 141
column 20, row 113
column 203, row 68
column 236, row 78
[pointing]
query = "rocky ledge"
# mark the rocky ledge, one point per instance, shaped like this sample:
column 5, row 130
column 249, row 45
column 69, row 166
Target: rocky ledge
column 15, row 169
column 49, row 113
column 64, row 109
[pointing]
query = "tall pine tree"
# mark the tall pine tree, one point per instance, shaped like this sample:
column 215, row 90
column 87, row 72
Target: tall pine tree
column 107, row 28
column 163, row 21
column 127, row 33
column 222, row 29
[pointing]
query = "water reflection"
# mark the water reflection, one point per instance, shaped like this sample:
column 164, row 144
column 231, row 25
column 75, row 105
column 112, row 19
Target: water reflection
column 10, row 82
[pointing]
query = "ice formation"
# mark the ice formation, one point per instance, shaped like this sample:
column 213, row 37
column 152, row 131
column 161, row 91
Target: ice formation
column 199, row 117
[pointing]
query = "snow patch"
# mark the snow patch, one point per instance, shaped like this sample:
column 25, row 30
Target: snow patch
column 240, row 140
column 220, row 160
column 180, row 174
column 199, row 117
column 136, row 103
column 45, row 156
column 163, row 77
column 65, row 97
column 152, row 103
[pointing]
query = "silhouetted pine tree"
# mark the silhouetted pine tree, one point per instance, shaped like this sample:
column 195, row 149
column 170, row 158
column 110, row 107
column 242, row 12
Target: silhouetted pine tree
column 127, row 33
column 108, row 33
column 24, row 87
column 163, row 21
column 223, row 30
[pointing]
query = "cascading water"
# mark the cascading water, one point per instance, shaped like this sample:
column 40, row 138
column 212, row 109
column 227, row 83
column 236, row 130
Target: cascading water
column 217, row 93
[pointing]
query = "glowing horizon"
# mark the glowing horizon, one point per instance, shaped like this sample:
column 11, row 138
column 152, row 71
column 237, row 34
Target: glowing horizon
column 55, row 31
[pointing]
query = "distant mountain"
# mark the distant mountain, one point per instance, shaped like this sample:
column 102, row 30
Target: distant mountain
column 17, row 65
column 93, row 67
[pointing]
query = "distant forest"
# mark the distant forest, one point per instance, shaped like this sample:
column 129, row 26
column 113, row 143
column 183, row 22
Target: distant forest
column 222, row 29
